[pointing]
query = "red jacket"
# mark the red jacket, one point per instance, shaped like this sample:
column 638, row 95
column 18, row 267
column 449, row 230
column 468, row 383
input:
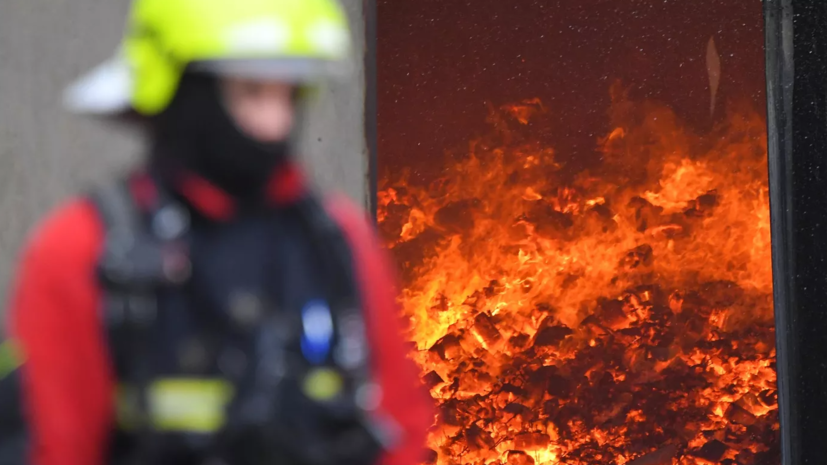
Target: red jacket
column 68, row 378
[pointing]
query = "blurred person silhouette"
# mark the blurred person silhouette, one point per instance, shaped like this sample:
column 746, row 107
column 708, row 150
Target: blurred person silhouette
column 209, row 307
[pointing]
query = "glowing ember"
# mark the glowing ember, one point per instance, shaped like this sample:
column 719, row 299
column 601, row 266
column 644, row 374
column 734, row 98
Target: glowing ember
column 619, row 315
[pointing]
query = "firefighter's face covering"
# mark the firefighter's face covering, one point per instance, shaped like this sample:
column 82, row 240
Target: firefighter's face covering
column 232, row 131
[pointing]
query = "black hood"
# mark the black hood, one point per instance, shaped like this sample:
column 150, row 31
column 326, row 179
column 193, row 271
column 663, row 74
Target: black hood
column 196, row 133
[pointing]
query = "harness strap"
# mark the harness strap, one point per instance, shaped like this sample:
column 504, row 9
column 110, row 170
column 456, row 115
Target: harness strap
column 132, row 268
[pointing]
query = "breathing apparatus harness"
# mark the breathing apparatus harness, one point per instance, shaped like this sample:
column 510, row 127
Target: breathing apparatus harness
column 294, row 410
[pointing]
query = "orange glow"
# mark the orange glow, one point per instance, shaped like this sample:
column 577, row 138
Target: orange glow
column 598, row 318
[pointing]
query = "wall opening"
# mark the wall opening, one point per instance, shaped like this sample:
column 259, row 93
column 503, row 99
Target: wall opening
column 576, row 194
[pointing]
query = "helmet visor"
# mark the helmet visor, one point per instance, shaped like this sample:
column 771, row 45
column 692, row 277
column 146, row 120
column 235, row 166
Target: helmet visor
column 292, row 70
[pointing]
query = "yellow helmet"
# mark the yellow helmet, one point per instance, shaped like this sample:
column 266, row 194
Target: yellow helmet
column 301, row 41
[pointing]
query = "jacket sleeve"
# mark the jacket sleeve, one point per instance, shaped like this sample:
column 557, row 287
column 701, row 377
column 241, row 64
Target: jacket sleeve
column 67, row 385
column 404, row 397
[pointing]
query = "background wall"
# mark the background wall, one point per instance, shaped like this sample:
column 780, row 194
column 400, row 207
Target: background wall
column 46, row 154
column 433, row 90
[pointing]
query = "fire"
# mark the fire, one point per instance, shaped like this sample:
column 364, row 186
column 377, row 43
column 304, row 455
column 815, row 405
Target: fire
column 619, row 315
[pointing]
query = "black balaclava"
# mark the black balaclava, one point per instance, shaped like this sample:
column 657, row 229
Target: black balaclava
column 196, row 133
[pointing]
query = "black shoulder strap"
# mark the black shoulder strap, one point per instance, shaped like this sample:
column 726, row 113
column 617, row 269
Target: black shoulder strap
column 122, row 224
column 117, row 209
column 138, row 260
column 134, row 265
column 135, row 257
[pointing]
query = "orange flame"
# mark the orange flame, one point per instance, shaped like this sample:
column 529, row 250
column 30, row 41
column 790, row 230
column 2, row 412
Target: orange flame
column 622, row 314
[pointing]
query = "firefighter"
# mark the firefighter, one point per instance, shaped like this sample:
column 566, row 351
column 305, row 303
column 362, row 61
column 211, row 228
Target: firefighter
column 209, row 306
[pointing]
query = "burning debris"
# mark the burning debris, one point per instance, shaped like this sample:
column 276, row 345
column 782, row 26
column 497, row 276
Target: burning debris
column 623, row 318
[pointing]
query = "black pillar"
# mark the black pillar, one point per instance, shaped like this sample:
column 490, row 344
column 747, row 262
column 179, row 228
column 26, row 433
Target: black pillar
column 796, row 53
